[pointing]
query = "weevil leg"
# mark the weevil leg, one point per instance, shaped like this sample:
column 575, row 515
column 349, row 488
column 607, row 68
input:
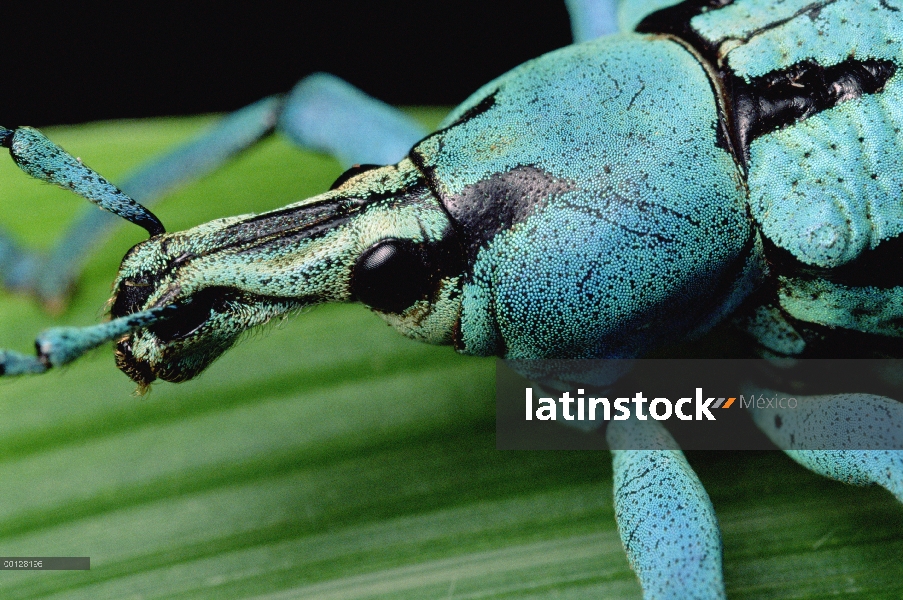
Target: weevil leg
column 327, row 114
column 854, row 438
column 592, row 18
column 665, row 518
column 322, row 113
column 42, row 159
column 236, row 132
column 18, row 267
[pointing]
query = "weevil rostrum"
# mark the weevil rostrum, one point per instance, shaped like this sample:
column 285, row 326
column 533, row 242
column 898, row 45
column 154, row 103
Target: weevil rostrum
column 707, row 152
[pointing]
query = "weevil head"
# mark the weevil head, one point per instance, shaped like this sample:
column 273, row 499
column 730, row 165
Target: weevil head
column 380, row 237
column 574, row 208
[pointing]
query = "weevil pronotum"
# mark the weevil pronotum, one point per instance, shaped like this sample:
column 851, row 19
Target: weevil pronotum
column 648, row 143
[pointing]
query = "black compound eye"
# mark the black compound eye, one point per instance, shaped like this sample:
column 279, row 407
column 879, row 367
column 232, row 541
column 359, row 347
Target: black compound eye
column 391, row 275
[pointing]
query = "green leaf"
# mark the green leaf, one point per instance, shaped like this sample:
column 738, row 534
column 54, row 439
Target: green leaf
column 331, row 458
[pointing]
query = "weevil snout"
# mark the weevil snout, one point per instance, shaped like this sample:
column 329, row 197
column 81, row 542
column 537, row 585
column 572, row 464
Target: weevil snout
column 380, row 238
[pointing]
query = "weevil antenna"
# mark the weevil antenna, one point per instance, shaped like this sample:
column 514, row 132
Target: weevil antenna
column 61, row 345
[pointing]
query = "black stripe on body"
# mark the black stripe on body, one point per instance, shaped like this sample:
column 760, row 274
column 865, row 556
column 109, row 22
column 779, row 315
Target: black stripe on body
column 777, row 99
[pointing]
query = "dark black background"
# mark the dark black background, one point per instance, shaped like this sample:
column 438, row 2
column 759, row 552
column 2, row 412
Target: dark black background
column 69, row 63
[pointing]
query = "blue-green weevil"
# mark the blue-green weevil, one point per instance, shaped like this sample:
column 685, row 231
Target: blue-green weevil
column 685, row 164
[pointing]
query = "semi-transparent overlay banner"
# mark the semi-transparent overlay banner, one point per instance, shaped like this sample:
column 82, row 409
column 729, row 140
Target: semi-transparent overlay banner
column 700, row 404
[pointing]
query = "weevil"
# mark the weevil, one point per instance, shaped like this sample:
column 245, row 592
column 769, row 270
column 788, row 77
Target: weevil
column 604, row 200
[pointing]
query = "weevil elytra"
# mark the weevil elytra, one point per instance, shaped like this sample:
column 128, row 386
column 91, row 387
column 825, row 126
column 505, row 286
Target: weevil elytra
column 392, row 221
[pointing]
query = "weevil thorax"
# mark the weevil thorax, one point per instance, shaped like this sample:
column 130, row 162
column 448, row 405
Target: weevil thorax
column 582, row 205
column 379, row 237
column 601, row 213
